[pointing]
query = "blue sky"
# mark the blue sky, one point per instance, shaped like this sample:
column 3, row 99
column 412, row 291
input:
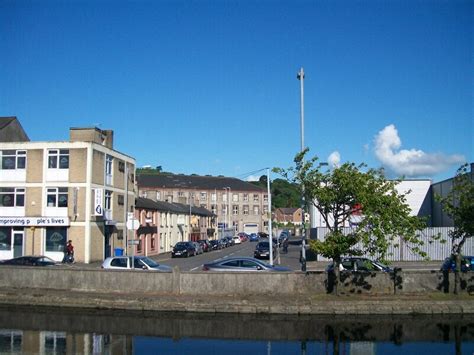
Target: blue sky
column 210, row 87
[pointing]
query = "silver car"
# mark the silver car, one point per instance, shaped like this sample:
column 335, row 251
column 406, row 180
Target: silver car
column 242, row 264
column 139, row 263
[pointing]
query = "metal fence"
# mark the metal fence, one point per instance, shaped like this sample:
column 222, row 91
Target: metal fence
column 435, row 249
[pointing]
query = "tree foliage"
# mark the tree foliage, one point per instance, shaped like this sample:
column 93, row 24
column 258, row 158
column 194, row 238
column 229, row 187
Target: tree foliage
column 284, row 193
column 459, row 205
column 349, row 196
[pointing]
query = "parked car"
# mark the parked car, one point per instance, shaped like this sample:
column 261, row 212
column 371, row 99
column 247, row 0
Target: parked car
column 467, row 264
column 262, row 250
column 206, row 246
column 359, row 264
column 254, row 237
column 139, row 263
column 236, row 240
column 198, row 247
column 243, row 236
column 183, row 249
column 242, row 265
column 30, row 260
column 216, row 244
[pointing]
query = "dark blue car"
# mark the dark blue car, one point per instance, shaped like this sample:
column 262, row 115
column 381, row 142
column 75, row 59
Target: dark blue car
column 467, row 264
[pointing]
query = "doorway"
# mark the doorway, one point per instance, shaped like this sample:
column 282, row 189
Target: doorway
column 18, row 236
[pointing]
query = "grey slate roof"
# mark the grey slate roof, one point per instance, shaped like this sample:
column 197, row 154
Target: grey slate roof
column 11, row 130
column 163, row 206
column 166, row 180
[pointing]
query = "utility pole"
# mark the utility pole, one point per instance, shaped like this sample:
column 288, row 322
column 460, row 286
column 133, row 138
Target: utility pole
column 300, row 77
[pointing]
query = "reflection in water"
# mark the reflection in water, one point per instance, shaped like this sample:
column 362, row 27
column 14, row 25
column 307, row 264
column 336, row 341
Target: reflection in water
column 53, row 331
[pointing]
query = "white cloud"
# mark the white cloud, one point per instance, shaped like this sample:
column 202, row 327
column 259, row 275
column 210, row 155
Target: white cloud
column 334, row 159
column 411, row 162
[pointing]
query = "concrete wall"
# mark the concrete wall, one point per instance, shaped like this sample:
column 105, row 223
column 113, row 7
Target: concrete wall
column 215, row 284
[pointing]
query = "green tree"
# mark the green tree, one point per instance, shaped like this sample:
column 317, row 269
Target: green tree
column 459, row 205
column 284, row 194
column 346, row 191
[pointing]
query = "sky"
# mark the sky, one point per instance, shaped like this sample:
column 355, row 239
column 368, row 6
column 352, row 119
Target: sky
column 210, row 87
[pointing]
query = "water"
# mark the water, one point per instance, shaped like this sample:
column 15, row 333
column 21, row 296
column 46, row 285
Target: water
column 55, row 331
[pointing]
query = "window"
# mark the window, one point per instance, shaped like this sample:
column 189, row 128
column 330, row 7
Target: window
column 158, row 195
column 121, row 166
column 246, row 210
column 153, row 242
column 224, row 209
column 246, row 197
column 255, row 198
column 235, row 197
column 120, row 200
column 108, row 169
column 255, row 210
column 119, row 262
column 180, row 194
column 12, row 197
column 57, row 197
column 139, row 249
column 203, row 196
column 265, row 209
column 214, row 209
column 213, row 197
column 232, row 263
column 58, row 159
column 235, row 209
column 224, row 197
column 108, row 200
column 5, row 238
column 56, row 238
column 13, row 159
column 265, row 198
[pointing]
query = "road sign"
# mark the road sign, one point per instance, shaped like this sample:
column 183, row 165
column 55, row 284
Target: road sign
column 133, row 242
column 133, row 224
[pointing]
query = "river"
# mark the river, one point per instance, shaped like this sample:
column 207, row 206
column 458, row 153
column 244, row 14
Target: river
column 56, row 331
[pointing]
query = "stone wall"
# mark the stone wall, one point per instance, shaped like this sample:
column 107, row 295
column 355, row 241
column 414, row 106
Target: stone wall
column 223, row 284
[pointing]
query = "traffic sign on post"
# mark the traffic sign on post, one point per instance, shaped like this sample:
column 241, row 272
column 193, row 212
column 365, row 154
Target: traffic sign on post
column 133, row 224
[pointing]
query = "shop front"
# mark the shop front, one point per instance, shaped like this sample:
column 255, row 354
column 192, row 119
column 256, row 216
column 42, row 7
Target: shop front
column 52, row 231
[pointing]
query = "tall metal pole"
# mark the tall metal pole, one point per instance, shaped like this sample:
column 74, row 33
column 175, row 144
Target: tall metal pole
column 270, row 237
column 300, row 77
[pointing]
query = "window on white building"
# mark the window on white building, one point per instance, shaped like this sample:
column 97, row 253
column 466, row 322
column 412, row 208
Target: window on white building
column 235, row 209
column 108, row 169
column 246, row 197
column 58, row 159
column 246, row 210
column 213, row 197
column 13, row 159
column 57, row 196
column 265, row 198
column 108, row 200
column 255, row 198
column 12, row 197
column 235, row 197
column 158, row 195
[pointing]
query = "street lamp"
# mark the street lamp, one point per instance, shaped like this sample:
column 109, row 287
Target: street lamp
column 300, row 77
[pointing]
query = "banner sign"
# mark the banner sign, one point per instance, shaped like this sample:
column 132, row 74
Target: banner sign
column 98, row 202
column 34, row 221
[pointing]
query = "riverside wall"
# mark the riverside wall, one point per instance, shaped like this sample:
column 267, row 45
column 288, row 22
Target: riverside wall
column 229, row 284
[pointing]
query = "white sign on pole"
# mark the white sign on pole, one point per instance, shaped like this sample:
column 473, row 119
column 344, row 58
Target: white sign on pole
column 133, row 224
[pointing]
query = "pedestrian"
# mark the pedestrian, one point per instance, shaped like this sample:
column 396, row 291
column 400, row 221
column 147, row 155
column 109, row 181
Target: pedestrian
column 69, row 254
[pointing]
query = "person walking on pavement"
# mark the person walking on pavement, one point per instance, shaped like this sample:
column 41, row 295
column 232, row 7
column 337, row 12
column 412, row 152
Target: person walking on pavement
column 69, row 255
